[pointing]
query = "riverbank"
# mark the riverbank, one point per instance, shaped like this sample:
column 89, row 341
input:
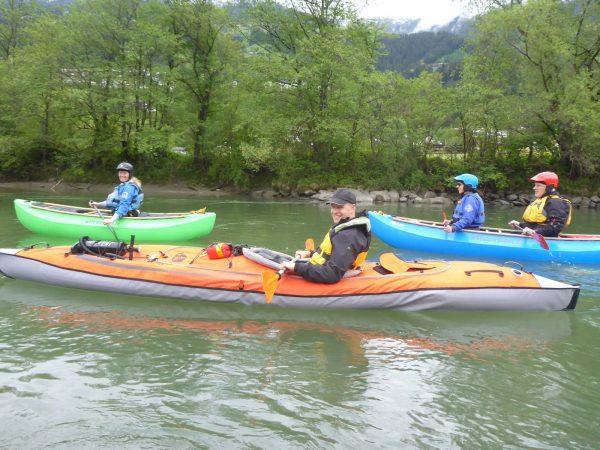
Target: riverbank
column 520, row 199
column 104, row 189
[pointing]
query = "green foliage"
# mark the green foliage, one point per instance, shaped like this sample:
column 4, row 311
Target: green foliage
column 229, row 168
column 493, row 179
column 417, row 180
column 24, row 160
column 262, row 93
column 537, row 57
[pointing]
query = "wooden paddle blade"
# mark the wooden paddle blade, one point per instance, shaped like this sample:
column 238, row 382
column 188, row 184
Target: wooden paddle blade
column 391, row 262
column 540, row 239
column 270, row 282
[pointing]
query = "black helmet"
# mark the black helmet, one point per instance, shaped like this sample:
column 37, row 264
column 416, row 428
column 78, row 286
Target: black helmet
column 125, row 166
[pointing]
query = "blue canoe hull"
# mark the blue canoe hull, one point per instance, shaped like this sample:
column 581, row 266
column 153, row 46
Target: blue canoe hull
column 427, row 236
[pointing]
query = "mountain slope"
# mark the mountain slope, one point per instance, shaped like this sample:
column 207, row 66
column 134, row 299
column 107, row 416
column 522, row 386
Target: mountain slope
column 410, row 54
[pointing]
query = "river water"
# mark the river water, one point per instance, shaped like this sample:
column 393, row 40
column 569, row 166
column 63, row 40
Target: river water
column 83, row 369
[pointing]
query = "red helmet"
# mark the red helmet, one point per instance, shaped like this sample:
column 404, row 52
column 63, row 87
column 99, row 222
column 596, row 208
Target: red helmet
column 548, row 178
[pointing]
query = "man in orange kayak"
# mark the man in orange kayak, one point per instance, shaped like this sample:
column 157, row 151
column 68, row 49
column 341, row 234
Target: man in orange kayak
column 550, row 212
column 344, row 247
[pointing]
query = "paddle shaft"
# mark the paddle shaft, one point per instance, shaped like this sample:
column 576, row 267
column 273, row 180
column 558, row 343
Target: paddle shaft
column 271, row 280
column 309, row 245
column 107, row 224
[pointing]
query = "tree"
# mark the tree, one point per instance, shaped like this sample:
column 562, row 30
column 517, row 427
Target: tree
column 14, row 16
column 545, row 53
column 200, row 63
column 113, row 66
column 312, row 59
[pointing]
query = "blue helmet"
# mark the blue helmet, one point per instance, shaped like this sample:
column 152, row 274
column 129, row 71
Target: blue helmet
column 468, row 179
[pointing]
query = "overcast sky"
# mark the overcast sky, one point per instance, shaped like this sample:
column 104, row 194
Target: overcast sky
column 433, row 12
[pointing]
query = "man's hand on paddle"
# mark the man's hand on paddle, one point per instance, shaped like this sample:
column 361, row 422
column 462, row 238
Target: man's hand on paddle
column 288, row 265
column 301, row 254
column 527, row 231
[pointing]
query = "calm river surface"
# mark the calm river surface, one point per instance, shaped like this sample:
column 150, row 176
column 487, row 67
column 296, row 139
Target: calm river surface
column 84, row 369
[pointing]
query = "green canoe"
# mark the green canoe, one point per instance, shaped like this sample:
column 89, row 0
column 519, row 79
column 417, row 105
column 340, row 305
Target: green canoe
column 74, row 222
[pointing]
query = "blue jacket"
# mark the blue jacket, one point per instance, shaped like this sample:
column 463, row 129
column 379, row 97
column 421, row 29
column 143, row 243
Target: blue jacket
column 469, row 212
column 126, row 197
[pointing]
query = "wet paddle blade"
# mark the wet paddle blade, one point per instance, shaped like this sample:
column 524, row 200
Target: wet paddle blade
column 540, row 239
column 270, row 282
column 391, row 262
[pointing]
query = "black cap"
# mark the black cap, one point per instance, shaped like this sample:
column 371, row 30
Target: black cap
column 342, row 196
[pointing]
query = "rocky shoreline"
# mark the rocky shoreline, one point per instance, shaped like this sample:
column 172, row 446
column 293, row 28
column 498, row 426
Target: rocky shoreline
column 426, row 197
column 363, row 196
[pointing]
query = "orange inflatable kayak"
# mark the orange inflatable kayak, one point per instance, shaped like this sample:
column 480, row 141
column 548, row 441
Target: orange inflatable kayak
column 188, row 273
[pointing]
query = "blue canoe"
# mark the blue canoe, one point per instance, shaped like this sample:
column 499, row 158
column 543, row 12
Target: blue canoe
column 427, row 236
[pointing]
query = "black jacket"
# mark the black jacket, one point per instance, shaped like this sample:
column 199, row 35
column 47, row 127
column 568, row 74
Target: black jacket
column 346, row 244
column 557, row 211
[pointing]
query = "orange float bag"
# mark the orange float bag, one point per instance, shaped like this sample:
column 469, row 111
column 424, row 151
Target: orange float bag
column 219, row 250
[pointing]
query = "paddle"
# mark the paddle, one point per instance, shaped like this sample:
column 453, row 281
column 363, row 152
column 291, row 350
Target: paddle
column 391, row 262
column 271, row 279
column 444, row 214
column 107, row 224
column 538, row 237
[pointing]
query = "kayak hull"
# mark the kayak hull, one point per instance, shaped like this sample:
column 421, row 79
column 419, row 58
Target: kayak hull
column 73, row 222
column 427, row 236
column 186, row 273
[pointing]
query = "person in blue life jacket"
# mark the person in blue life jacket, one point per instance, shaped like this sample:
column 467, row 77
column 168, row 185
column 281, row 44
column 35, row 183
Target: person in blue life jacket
column 127, row 197
column 470, row 211
column 344, row 247
column 550, row 212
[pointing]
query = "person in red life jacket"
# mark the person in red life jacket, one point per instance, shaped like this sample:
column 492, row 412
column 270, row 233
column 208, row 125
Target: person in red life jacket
column 470, row 211
column 550, row 212
column 344, row 248
column 127, row 197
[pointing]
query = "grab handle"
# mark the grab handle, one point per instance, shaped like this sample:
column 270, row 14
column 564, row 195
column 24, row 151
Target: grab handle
column 499, row 272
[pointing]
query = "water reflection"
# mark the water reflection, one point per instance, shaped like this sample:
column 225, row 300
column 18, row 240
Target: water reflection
column 299, row 376
column 442, row 331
